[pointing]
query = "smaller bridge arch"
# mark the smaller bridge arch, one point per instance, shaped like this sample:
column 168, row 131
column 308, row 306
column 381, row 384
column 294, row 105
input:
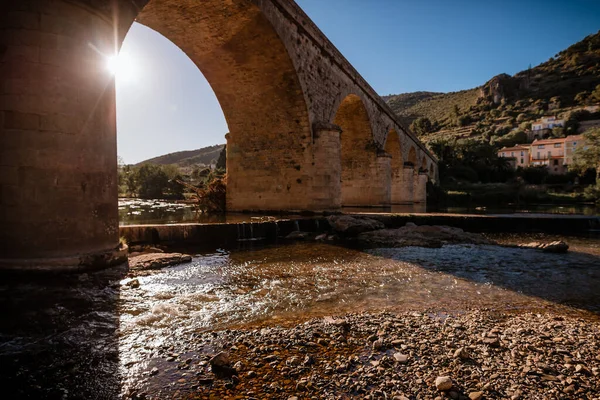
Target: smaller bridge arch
column 364, row 181
column 393, row 146
column 412, row 157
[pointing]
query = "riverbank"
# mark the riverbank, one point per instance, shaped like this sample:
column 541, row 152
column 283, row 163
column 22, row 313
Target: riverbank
column 401, row 356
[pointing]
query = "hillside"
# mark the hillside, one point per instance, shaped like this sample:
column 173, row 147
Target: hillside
column 507, row 103
column 404, row 101
column 205, row 155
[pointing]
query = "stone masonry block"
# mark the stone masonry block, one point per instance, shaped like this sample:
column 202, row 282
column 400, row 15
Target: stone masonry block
column 19, row 120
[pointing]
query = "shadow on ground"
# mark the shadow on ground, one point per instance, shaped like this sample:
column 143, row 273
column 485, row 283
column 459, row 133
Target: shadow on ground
column 58, row 336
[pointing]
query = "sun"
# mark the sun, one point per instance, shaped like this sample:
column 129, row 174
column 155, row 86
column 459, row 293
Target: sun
column 122, row 67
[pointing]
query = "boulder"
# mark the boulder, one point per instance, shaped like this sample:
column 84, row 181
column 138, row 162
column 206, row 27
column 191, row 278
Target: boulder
column 148, row 261
column 422, row 236
column 351, row 226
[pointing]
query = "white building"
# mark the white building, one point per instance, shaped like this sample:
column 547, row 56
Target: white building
column 547, row 123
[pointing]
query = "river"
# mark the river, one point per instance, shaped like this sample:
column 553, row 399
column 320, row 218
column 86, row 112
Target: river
column 93, row 335
column 138, row 211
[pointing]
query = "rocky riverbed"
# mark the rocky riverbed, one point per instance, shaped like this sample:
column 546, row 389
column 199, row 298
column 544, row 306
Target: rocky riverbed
column 313, row 319
column 473, row 355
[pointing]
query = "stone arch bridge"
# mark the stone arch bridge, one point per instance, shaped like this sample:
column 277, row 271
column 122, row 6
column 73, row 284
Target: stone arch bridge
column 307, row 132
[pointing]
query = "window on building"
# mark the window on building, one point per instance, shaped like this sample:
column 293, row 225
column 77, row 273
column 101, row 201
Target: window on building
column 557, row 145
column 522, row 162
column 574, row 144
column 538, row 156
column 541, row 146
column 522, row 153
column 512, row 153
column 555, row 162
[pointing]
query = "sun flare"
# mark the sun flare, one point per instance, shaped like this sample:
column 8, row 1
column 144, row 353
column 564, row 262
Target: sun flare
column 122, row 67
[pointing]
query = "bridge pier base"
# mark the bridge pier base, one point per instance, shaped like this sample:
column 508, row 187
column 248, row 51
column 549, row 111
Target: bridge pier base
column 420, row 190
column 327, row 185
column 383, row 191
column 403, row 187
column 58, row 151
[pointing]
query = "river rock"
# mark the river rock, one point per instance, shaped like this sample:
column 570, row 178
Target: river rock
column 351, row 226
column 221, row 366
column 401, row 358
column 422, row 236
column 461, row 353
column 145, row 249
column 443, row 383
column 298, row 235
column 157, row 260
column 557, row 246
column 476, row 395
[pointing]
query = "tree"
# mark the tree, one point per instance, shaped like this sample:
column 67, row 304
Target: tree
column 596, row 94
column 128, row 180
column 421, row 126
column 222, row 161
column 588, row 156
column 152, row 181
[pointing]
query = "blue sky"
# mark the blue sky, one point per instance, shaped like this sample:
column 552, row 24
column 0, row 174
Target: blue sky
column 397, row 45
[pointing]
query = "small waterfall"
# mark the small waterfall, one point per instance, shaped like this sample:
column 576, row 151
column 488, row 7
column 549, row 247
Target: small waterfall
column 248, row 234
column 239, row 232
column 317, row 224
column 276, row 230
column 296, row 225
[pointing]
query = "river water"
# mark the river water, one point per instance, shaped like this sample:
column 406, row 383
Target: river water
column 138, row 211
column 91, row 335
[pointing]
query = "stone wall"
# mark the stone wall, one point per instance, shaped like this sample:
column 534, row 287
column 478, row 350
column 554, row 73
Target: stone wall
column 57, row 131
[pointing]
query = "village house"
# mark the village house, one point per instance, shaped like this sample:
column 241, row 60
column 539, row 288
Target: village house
column 518, row 156
column 547, row 123
column 555, row 154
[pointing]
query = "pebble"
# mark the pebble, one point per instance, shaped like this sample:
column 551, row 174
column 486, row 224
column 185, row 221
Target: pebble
column 280, row 362
column 443, row 383
column 476, row 395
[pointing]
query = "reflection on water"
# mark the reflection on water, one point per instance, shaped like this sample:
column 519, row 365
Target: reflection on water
column 137, row 211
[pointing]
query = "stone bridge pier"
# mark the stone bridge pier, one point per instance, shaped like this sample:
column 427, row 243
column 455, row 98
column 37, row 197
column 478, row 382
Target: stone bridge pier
column 307, row 132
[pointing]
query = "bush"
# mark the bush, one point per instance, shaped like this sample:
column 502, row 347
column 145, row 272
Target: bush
column 581, row 97
column 213, row 197
column 533, row 175
column 421, row 126
column 464, row 120
column 464, row 173
column 592, row 193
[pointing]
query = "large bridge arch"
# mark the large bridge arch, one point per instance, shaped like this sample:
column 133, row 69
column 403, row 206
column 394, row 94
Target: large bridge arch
column 248, row 66
column 58, row 124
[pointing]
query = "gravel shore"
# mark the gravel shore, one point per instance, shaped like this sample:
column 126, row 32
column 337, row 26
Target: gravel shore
column 475, row 355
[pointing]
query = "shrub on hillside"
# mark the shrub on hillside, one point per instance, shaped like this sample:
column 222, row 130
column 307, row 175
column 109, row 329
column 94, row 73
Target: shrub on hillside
column 533, row 175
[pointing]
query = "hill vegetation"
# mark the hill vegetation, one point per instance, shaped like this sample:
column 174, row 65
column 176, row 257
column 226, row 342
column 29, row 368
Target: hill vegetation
column 466, row 129
column 507, row 104
column 204, row 156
